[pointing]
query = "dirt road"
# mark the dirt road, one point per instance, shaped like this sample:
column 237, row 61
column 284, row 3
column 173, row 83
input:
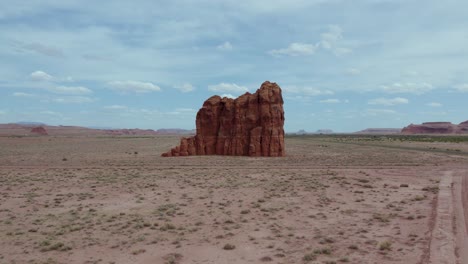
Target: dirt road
column 465, row 198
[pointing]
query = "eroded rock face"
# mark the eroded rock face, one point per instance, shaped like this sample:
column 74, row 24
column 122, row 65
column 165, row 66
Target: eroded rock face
column 39, row 131
column 436, row 128
column 251, row 125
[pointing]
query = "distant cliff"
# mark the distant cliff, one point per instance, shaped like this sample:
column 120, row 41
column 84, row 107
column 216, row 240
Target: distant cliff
column 436, row 128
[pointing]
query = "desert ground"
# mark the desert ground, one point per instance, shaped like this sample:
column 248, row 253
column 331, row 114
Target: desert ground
column 332, row 199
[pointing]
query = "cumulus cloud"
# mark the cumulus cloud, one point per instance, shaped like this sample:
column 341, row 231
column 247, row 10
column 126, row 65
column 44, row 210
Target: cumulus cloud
column 41, row 76
column 71, row 90
column 307, row 91
column 52, row 113
column 376, row 112
column 329, row 41
column 133, row 86
column 73, row 100
column 332, row 40
column 330, row 101
column 353, row 71
column 116, row 107
column 185, row 88
column 226, row 46
column 185, row 110
column 463, row 88
column 388, row 101
column 434, row 104
column 228, row 88
column 295, row 49
column 408, row 87
column 21, row 94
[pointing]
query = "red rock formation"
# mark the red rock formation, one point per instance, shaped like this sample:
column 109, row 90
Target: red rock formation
column 251, row 125
column 436, row 128
column 39, row 131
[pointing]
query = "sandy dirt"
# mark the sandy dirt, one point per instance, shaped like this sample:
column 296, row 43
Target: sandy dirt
column 115, row 200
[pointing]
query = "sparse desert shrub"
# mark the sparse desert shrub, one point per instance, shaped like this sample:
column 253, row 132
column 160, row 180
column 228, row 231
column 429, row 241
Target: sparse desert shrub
column 324, row 251
column 385, row 245
column 266, row 259
column 353, row 247
column 344, row 259
column 229, row 247
column 309, row 257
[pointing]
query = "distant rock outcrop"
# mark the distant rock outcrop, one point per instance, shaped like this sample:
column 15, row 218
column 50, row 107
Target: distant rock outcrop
column 39, row 131
column 147, row 132
column 130, row 132
column 324, row 131
column 380, row 131
column 436, row 128
column 251, row 125
column 175, row 131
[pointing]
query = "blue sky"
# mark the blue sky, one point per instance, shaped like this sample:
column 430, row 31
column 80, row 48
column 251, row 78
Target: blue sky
column 343, row 65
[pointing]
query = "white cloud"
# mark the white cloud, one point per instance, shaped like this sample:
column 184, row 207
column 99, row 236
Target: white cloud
column 330, row 101
column 71, row 90
column 41, row 76
column 228, row 96
column 353, row 71
column 329, row 40
column 186, row 110
column 133, row 86
column 414, row 88
column 434, row 104
column 73, row 100
column 295, row 49
column 52, row 113
column 20, row 94
column 462, row 88
column 228, row 88
column 333, row 35
column 440, row 113
column 185, row 88
column 116, row 107
column 225, row 46
column 376, row 112
column 342, row 51
column 388, row 101
column 307, row 91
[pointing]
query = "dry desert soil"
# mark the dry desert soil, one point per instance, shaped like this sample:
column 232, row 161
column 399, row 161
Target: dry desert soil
column 332, row 199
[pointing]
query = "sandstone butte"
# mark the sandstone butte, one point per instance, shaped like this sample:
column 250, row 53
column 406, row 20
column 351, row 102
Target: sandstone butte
column 436, row 128
column 250, row 125
column 39, row 131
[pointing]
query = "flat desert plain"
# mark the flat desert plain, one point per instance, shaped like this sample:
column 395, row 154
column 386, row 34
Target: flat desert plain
column 332, row 199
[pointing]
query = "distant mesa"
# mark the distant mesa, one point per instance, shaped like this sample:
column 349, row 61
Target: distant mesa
column 436, row 128
column 250, row 125
column 146, row 132
column 41, row 131
column 379, row 131
column 302, row 132
column 26, row 128
column 324, row 131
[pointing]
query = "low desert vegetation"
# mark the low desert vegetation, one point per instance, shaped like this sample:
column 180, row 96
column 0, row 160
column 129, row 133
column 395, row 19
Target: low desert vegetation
column 343, row 203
